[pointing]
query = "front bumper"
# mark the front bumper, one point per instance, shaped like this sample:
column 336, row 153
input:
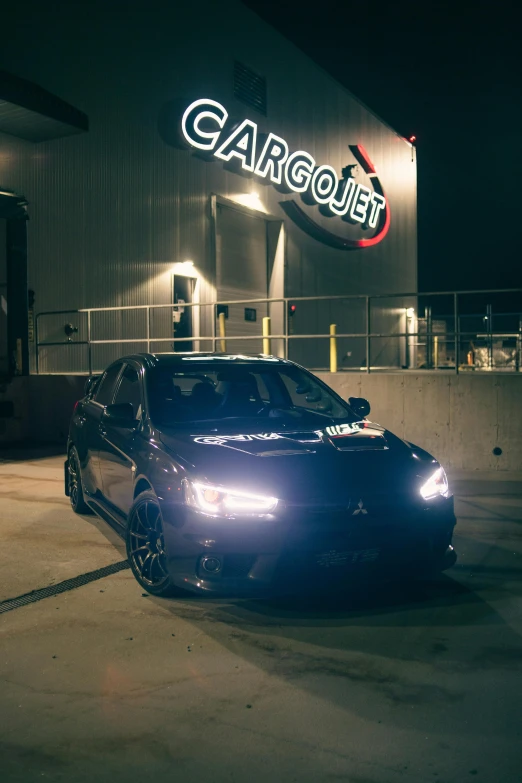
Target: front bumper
column 302, row 549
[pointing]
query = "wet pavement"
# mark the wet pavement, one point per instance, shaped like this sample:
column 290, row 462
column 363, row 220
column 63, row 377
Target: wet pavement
column 103, row 683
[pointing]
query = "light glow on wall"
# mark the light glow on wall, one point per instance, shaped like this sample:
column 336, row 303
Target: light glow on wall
column 184, row 268
column 250, row 200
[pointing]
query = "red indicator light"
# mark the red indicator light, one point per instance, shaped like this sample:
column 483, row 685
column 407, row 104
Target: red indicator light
column 413, row 138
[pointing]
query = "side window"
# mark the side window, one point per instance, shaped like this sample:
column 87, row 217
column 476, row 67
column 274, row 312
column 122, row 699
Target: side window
column 106, row 386
column 129, row 390
column 185, row 383
column 304, row 393
column 262, row 389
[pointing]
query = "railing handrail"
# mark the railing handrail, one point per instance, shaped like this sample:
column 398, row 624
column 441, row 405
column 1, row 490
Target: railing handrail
column 282, row 299
column 454, row 335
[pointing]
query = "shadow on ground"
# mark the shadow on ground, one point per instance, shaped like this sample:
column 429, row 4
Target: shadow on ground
column 413, row 645
column 29, row 451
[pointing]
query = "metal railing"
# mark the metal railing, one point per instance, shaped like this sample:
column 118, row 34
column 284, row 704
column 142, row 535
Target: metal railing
column 430, row 331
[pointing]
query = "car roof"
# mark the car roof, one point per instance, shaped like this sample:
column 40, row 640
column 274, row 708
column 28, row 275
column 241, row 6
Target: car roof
column 192, row 359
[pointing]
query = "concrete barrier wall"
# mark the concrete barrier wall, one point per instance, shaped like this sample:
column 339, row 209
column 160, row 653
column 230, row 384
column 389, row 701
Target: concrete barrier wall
column 43, row 405
column 460, row 419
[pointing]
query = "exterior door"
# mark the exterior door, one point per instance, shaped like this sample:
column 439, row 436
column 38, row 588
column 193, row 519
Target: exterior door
column 183, row 317
column 242, row 273
column 117, row 448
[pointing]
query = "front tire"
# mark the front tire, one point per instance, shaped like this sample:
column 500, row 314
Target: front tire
column 146, row 546
column 78, row 504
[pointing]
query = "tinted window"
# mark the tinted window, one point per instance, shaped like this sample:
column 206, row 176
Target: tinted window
column 108, row 382
column 242, row 391
column 129, row 390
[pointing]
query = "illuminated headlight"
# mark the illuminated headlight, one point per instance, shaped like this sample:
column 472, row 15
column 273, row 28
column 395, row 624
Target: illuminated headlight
column 436, row 485
column 226, row 502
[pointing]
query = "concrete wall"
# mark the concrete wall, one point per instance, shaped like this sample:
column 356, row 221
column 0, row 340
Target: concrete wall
column 458, row 418
column 43, row 405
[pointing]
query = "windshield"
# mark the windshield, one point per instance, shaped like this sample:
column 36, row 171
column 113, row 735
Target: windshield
column 284, row 395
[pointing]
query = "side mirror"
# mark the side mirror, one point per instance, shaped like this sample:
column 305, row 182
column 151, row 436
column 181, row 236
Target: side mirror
column 360, row 406
column 90, row 383
column 120, row 415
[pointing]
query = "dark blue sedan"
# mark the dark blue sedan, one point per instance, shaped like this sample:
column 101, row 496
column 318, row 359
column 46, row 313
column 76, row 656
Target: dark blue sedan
column 244, row 475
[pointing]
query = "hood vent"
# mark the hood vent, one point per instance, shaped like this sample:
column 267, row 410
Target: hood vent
column 360, row 443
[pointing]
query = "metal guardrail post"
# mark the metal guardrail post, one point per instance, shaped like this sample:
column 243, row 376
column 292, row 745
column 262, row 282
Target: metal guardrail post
column 89, row 346
column 333, row 348
column 285, row 322
column 456, row 326
column 266, row 335
column 489, row 318
column 368, row 332
column 36, row 344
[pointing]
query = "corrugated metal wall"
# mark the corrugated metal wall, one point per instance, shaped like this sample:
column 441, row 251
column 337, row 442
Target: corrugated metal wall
column 242, row 273
column 113, row 209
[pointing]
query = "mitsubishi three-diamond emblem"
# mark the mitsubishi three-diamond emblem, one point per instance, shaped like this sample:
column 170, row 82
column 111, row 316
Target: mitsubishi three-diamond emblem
column 360, row 509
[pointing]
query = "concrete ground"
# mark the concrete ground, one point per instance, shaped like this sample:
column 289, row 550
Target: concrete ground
column 103, row 683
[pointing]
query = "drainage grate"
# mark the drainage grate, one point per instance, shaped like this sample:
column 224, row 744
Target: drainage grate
column 62, row 587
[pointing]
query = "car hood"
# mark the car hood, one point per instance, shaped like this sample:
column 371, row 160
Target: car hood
column 320, row 466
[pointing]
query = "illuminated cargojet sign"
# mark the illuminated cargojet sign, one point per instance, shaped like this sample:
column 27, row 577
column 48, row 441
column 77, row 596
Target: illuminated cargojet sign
column 269, row 158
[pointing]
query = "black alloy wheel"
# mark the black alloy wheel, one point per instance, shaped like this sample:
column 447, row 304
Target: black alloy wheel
column 78, row 504
column 146, row 546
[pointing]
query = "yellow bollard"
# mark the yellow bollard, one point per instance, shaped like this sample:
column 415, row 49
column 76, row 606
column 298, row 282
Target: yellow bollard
column 333, row 348
column 222, row 332
column 266, row 335
column 436, row 352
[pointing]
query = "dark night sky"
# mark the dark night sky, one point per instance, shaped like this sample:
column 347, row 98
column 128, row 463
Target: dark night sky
column 447, row 72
